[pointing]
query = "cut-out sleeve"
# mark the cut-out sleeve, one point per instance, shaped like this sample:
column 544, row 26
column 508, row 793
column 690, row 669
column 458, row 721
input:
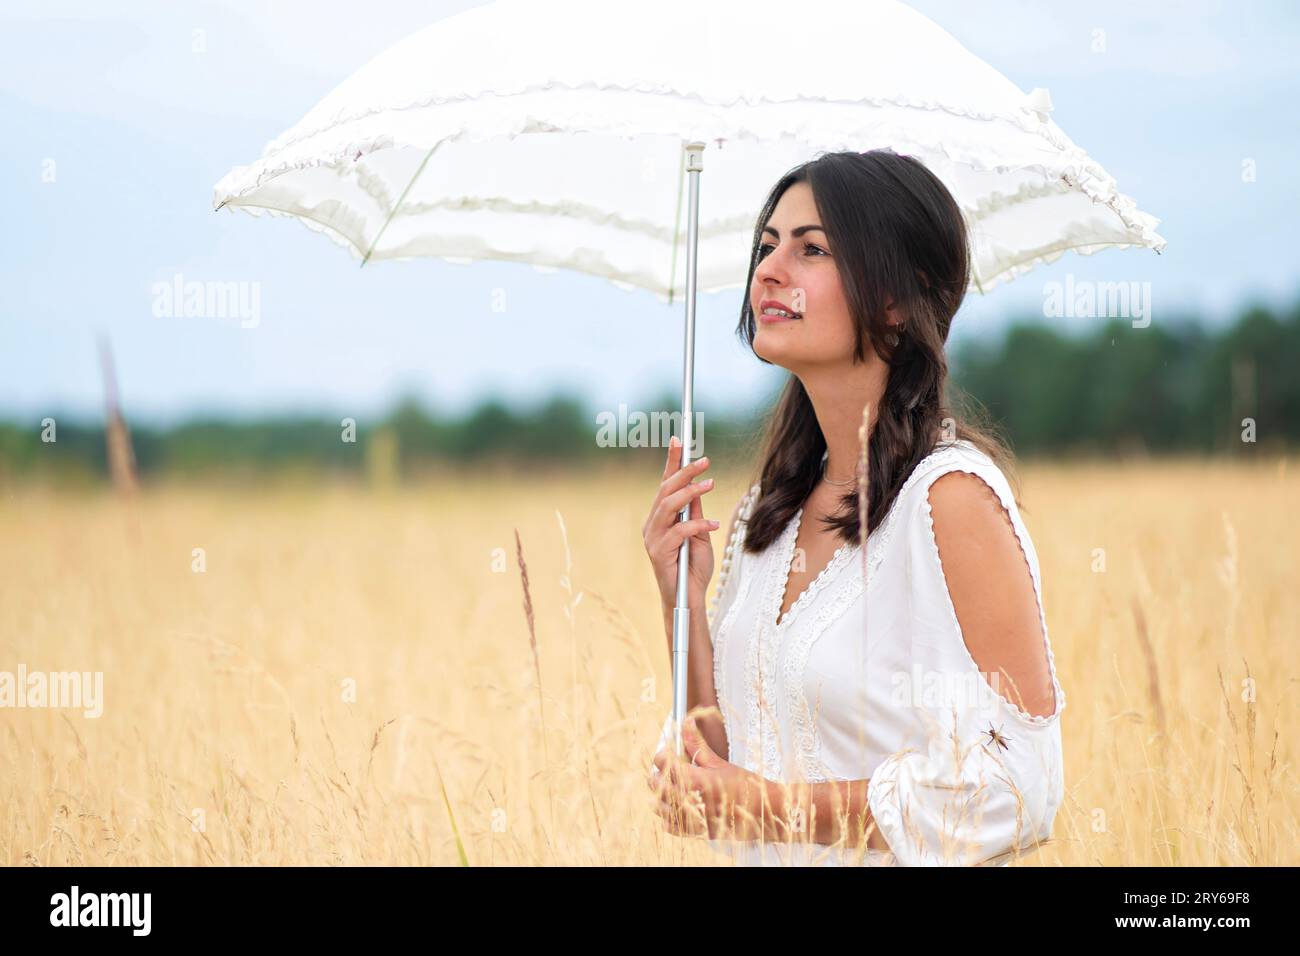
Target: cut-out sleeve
column 980, row 780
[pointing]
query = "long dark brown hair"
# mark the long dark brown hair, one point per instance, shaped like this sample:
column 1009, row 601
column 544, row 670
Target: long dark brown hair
column 897, row 233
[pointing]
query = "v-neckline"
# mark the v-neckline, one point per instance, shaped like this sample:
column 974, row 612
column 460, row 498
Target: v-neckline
column 774, row 618
column 787, row 556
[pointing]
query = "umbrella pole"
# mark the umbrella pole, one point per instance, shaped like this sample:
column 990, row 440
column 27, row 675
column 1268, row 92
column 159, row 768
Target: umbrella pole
column 693, row 156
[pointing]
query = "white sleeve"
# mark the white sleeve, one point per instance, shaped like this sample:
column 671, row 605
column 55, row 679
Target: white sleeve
column 728, row 582
column 956, row 803
column 986, row 784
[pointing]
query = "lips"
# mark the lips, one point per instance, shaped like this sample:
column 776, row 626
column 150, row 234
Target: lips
column 774, row 304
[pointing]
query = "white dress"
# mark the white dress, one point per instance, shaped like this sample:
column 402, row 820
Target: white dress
column 868, row 677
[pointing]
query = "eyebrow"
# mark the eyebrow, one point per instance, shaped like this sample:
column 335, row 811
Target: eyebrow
column 794, row 232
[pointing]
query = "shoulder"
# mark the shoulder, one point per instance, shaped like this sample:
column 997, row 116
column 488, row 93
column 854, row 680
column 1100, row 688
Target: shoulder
column 986, row 564
column 947, row 465
column 968, row 518
column 963, row 500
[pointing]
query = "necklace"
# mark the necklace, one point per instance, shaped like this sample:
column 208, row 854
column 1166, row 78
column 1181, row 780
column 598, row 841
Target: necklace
column 832, row 481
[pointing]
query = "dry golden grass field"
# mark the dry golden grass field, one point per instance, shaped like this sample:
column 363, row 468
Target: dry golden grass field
column 351, row 680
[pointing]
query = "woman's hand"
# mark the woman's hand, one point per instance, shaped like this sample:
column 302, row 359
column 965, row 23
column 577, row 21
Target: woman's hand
column 703, row 795
column 663, row 532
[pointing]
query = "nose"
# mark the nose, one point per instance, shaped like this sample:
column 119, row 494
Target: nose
column 772, row 269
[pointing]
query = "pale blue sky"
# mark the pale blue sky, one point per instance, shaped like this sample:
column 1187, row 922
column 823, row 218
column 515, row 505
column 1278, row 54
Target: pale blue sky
column 139, row 128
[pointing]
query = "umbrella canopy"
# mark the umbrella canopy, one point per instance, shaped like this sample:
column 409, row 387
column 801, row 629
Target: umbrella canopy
column 431, row 149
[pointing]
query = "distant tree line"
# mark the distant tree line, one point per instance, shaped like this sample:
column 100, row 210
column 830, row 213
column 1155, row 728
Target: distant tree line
column 1158, row 389
column 1117, row 390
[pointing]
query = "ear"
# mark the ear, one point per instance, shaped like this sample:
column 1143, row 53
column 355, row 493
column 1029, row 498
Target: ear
column 894, row 314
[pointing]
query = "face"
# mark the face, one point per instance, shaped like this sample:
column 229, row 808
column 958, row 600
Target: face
column 796, row 271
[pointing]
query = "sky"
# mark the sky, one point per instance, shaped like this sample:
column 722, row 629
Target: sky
column 117, row 125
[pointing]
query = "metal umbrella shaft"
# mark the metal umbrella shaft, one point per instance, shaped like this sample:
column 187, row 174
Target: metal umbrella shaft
column 694, row 159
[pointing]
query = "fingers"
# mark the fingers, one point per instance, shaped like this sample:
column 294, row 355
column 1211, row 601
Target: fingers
column 682, row 821
column 669, row 817
column 673, row 462
column 671, row 799
column 673, row 470
column 663, row 775
column 697, row 513
column 662, row 542
column 683, row 814
column 674, row 774
column 675, row 476
column 675, row 481
column 679, row 793
column 702, row 754
column 671, row 773
column 679, row 490
column 700, row 527
column 660, row 764
column 669, row 518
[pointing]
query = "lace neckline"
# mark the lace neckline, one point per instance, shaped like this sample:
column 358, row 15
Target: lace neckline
column 842, row 553
column 846, row 550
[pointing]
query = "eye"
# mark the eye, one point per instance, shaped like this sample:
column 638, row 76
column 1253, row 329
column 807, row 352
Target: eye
column 766, row 247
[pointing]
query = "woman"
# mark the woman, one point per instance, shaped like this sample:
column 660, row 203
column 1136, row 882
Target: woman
column 898, row 709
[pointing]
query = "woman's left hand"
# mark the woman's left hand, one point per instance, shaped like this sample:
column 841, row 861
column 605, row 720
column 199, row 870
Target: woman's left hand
column 704, row 795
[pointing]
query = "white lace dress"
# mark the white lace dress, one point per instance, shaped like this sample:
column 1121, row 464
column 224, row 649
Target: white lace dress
column 867, row 676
